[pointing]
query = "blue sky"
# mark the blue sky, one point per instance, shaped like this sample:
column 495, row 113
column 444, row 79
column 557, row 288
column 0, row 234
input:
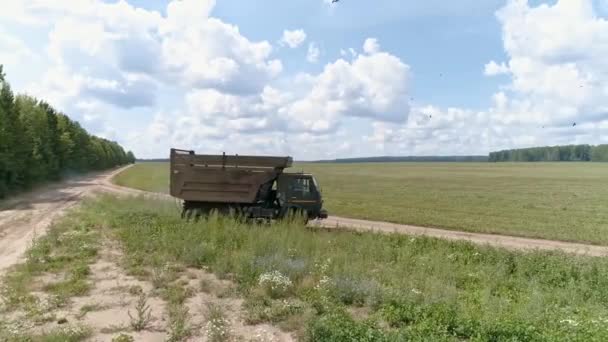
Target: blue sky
column 391, row 77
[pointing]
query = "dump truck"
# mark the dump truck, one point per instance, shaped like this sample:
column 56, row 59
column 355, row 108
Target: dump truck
column 251, row 187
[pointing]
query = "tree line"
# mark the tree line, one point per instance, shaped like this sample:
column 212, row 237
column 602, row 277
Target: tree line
column 597, row 153
column 39, row 143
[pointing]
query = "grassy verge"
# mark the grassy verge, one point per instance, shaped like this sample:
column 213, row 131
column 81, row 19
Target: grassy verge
column 562, row 201
column 337, row 286
column 61, row 258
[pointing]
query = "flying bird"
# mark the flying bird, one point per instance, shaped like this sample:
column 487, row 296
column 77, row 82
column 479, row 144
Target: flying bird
column 334, row 1
column 573, row 124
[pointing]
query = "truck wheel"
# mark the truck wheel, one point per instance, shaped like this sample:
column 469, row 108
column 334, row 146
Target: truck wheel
column 299, row 215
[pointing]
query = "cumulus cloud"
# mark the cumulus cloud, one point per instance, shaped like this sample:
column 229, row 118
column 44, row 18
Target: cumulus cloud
column 493, row 68
column 120, row 54
column 313, row 108
column 294, row 38
column 557, row 76
column 313, row 53
column 371, row 46
column 229, row 92
column 558, row 71
column 373, row 86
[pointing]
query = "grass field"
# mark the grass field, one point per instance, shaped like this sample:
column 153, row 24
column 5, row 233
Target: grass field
column 563, row 201
column 345, row 286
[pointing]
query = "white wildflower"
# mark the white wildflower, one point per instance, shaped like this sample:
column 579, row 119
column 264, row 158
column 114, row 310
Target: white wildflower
column 262, row 335
column 275, row 281
column 569, row 322
column 416, row 291
column 218, row 329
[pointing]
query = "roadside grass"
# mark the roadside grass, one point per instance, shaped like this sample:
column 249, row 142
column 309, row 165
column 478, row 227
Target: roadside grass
column 339, row 286
column 61, row 257
column 561, row 201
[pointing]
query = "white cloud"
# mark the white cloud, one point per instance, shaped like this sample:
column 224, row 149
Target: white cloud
column 371, row 87
column 371, row 46
column 493, row 68
column 313, row 53
column 557, row 76
column 558, row 72
column 13, row 50
column 228, row 92
column 120, row 54
column 294, row 38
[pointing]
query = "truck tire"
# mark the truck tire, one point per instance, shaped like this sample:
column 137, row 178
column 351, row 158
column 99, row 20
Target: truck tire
column 298, row 215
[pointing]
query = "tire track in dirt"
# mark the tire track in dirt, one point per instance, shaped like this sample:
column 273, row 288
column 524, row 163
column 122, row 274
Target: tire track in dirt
column 28, row 215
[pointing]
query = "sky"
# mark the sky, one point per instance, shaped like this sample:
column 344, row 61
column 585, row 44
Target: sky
column 314, row 79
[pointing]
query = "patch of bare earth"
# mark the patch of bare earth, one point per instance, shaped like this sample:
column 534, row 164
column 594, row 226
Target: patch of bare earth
column 221, row 294
column 110, row 307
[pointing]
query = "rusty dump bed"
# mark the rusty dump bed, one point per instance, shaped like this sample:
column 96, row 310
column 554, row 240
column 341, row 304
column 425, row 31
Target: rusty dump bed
column 222, row 178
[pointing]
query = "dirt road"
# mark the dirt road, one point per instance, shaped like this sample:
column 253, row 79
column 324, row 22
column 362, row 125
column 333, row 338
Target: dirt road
column 29, row 214
column 508, row 242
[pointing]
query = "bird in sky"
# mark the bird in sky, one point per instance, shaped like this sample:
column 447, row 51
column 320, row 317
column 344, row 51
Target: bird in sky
column 334, row 1
column 573, row 124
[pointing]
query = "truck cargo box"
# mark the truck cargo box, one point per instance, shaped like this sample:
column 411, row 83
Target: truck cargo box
column 222, row 178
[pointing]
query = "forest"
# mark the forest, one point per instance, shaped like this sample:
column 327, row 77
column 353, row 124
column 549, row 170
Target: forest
column 597, row 153
column 39, row 143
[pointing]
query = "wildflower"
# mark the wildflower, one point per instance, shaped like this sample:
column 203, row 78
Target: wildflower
column 416, row 291
column 218, row 329
column 569, row 322
column 276, row 282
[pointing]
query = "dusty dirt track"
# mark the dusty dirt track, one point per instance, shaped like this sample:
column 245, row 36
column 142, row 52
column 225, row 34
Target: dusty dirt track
column 28, row 215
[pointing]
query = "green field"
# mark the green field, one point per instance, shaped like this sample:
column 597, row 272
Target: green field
column 562, row 201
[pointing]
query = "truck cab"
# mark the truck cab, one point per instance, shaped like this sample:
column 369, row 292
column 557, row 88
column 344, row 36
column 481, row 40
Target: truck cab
column 300, row 192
